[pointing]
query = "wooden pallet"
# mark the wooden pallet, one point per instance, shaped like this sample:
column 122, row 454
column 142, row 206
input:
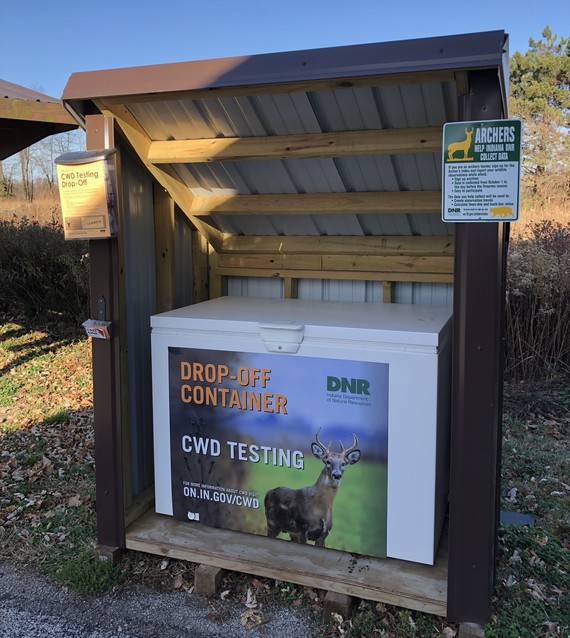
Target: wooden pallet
column 396, row 582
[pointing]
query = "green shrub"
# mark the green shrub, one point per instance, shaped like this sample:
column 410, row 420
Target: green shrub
column 42, row 275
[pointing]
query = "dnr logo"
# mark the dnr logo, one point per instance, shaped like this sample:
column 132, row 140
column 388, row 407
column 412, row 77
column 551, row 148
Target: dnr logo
column 349, row 386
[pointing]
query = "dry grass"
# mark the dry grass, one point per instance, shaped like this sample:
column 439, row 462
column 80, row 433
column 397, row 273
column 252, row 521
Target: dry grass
column 44, row 209
column 556, row 212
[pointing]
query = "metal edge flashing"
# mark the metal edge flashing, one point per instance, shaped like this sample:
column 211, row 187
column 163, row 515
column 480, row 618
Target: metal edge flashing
column 468, row 51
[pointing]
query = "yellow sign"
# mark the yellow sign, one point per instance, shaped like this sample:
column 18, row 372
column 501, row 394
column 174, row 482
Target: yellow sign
column 87, row 200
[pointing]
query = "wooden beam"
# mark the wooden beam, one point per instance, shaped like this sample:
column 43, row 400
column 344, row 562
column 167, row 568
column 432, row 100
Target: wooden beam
column 397, row 582
column 200, row 267
column 388, row 264
column 280, row 262
column 351, row 263
column 30, row 111
column 314, row 203
column 462, row 83
column 348, row 275
column 341, row 245
column 351, row 143
column 290, row 288
column 164, row 249
column 165, row 177
column 387, row 291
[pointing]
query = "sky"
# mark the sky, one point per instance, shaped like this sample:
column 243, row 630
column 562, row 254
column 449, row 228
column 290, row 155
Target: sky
column 43, row 42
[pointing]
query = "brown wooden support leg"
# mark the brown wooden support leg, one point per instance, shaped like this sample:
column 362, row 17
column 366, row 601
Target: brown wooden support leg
column 113, row 555
column 471, row 630
column 341, row 604
column 207, row 579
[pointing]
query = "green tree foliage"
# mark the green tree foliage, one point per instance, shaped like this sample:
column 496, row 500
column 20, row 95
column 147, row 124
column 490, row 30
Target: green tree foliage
column 540, row 96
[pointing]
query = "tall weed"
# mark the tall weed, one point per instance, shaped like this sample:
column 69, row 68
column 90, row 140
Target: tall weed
column 538, row 304
column 42, row 275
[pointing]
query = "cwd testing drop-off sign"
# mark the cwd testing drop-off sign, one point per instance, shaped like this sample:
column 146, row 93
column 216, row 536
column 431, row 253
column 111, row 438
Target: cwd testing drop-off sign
column 481, row 171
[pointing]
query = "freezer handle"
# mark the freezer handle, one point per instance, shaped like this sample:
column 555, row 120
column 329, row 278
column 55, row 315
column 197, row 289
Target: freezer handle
column 281, row 337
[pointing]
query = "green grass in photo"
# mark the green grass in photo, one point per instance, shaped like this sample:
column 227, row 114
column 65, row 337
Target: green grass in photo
column 359, row 509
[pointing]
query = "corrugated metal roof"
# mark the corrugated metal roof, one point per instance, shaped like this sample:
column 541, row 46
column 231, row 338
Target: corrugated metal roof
column 373, row 108
column 376, row 87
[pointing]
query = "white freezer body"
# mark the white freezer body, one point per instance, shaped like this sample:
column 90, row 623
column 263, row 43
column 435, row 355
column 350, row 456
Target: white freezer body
column 413, row 340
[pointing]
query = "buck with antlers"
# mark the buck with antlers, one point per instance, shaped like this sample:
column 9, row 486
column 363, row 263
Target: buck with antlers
column 462, row 147
column 306, row 513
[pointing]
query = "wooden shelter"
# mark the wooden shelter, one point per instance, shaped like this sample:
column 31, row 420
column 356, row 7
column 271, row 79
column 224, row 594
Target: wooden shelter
column 316, row 175
column 26, row 117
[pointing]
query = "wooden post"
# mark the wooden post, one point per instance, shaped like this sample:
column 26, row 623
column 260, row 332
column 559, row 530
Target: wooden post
column 476, row 413
column 104, row 291
column 199, row 267
column 164, row 249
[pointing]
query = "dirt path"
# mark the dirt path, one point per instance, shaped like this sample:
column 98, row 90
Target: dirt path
column 31, row 607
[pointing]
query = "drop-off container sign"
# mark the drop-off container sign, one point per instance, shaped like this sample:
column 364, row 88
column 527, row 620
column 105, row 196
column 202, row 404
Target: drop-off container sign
column 481, row 171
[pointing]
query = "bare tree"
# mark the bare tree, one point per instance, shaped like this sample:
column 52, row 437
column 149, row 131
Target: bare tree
column 45, row 152
column 26, row 174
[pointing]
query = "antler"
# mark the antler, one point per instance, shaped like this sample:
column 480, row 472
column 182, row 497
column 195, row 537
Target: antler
column 352, row 447
column 325, row 448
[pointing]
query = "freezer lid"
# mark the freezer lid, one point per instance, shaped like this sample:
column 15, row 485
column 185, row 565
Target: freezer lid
column 405, row 324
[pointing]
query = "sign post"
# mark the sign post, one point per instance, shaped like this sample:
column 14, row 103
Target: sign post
column 481, row 171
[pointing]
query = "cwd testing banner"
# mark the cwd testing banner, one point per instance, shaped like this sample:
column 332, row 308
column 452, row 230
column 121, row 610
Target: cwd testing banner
column 243, row 424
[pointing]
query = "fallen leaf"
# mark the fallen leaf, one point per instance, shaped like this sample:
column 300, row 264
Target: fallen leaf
column 74, row 501
column 251, row 619
column 178, row 583
column 251, row 601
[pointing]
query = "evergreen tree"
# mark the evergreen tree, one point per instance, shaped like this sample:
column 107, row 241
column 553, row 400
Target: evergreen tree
column 540, row 96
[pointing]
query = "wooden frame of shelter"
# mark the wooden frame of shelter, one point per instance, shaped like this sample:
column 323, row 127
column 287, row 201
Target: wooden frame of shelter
column 195, row 143
column 26, row 117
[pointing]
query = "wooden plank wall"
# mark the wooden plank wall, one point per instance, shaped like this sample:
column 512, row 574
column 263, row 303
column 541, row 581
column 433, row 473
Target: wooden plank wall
column 384, row 259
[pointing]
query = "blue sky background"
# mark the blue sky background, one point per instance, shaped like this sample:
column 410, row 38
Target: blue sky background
column 42, row 42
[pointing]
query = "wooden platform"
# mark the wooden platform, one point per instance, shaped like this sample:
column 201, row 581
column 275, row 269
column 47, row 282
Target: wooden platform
column 396, row 582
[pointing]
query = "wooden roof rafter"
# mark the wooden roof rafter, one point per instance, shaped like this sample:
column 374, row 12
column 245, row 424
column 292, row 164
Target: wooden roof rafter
column 140, row 142
column 338, row 144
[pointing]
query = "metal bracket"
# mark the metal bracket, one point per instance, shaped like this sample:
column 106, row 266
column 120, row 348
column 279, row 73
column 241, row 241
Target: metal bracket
column 101, row 308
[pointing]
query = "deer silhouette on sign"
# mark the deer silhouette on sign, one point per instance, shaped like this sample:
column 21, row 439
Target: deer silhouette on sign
column 463, row 147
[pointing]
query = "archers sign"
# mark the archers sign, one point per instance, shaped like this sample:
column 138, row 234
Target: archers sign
column 481, row 171
column 88, row 194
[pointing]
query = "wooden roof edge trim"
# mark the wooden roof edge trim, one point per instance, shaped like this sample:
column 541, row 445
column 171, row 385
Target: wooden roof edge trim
column 467, row 51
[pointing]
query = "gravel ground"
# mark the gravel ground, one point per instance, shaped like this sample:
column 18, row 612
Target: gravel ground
column 32, row 607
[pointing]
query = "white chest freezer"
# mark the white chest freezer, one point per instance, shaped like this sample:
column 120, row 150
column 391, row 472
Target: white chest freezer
column 311, row 421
